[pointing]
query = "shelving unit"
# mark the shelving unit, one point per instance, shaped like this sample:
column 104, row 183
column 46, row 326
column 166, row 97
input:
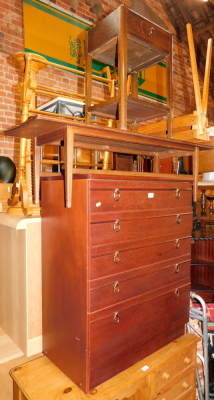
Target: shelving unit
column 202, row 265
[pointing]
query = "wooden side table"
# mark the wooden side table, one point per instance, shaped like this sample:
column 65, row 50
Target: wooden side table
column 170, row 373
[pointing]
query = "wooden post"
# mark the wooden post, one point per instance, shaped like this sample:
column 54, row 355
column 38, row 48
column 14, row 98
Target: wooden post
column 36, row 170
column 207, row 76
column 88, row 81
column 122, row 70
column 195, row 81
column 169, row 61
column 195, row 160
column 69, row 153
column 156, row 163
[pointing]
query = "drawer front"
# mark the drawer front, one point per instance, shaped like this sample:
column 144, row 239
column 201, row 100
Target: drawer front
column 116, row 342
column 168, row 371
column 180, row 389
column 120, row 230
column 116, row 259
column 120, row 290
column 149, row 33
column 132, row 199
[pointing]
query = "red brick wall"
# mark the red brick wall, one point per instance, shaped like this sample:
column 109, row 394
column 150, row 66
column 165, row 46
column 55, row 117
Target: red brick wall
column 11, row 42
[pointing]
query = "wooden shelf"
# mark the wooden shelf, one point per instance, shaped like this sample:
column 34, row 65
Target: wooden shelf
column 138, row 109
column 202, row 262
column 202, row 288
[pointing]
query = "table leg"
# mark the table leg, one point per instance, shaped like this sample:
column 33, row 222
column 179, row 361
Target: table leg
column 156, row 164
column 195, row 183
column 36, row 171
column 69, row 151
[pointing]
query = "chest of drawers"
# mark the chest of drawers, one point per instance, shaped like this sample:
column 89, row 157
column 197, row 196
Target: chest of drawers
column 116, row 272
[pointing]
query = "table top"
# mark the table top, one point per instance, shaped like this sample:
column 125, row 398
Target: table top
column 49, row 129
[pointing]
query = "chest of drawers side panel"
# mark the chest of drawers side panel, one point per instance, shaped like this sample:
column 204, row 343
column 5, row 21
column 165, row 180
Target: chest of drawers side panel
column 64, row 270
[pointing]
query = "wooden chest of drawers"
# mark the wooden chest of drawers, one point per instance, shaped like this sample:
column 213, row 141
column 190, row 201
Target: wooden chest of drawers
column 116, row 272
column 167, row 374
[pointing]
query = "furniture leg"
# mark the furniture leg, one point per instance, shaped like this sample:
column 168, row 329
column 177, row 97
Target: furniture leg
column 156, row 164
column 195, row 173
column 69, row 151
column 36, row 171
column 88, row 81
column 17, row 394
column 122, row 71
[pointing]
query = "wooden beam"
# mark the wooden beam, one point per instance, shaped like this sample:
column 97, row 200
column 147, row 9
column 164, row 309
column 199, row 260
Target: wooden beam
column 195, row 78
column 207, row 77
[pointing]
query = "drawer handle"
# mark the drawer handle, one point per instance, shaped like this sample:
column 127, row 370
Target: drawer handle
column 177, row 269
column 177, row 194
column 177, row 293
column 187, row 360
column 152, row 31
column 116, row 318
column 116, row 287
column 116, row 256
column 117, row 226
column 177, row 243
column 185, row 385
column 166, row 376
column 117, row 194
column 178, row 218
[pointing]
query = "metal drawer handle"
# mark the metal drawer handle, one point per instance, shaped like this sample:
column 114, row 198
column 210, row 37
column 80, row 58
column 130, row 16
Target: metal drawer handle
column 116, row 287
column 116, row 318
column 116, row 256
column 177, row 294
column 187, row 360
column 177, row 194
column 178, row 218
column 152, row 31
column 117, row 194
column 166, row 376
column 177, row 243
column 185, row 385
column 117, row 226
column 177, row 269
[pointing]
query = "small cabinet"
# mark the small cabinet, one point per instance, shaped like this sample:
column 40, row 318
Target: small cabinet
column 131, row 43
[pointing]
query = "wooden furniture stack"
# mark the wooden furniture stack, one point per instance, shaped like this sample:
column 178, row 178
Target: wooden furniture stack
column 116, row 271
column 116, row 246
column 167, row 374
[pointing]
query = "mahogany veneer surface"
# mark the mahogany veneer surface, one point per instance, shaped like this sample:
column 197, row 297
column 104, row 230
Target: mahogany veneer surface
column 116, row 272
